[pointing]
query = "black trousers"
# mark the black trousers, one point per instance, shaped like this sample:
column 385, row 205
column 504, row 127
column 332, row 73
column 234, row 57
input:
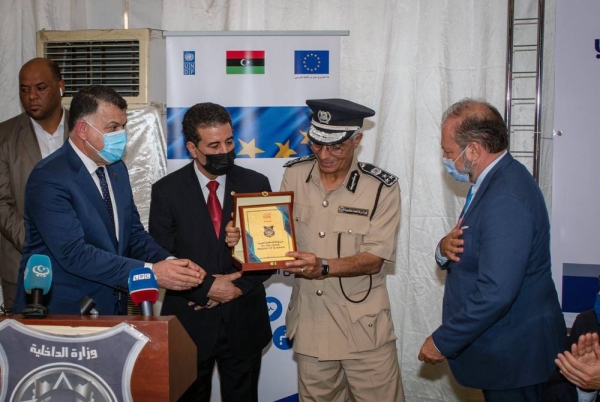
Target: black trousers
column 533, row 393
column 238, row 377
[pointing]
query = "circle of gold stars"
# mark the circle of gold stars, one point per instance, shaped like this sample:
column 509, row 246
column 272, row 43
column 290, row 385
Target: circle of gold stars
column 318, row 62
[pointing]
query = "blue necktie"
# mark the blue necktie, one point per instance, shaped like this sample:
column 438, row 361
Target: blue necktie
column 467, row 202
column 106, row 194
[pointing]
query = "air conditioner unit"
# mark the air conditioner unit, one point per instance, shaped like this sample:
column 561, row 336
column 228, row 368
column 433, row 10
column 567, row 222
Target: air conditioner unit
column 131, row 61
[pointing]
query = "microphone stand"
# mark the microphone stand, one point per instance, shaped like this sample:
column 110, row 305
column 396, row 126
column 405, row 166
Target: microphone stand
column 35, row 309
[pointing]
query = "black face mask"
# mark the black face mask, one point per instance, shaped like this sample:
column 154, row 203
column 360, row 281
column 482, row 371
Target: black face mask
column 219, row 164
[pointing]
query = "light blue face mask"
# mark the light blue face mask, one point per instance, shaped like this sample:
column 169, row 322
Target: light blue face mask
column 114, row 145
column 450, row 166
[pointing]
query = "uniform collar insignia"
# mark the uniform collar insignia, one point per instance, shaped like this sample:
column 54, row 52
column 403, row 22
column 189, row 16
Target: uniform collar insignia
column 385, row 177
column 353, row 181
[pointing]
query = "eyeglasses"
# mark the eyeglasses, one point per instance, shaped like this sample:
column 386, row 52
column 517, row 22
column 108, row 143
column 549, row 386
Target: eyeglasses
column 335, row 150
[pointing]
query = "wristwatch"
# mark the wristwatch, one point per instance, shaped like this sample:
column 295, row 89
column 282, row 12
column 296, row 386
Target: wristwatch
column 324, row 268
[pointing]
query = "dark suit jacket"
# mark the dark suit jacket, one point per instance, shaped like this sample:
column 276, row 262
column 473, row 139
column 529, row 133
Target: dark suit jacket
column 502, row 323
column 180, row 222
column 67, row 220
column 19, row 152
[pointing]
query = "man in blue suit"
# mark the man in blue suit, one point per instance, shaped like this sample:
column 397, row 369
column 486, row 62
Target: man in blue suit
column 502, row 324
column 79, row 211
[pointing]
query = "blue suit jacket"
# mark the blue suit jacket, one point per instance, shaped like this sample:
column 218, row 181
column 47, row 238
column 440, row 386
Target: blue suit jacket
column 67, row 220
column 502, row 323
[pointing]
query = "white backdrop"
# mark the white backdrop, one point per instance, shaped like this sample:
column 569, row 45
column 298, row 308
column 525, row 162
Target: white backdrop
column 576, row 192
column 406, row 59
column 265, row 110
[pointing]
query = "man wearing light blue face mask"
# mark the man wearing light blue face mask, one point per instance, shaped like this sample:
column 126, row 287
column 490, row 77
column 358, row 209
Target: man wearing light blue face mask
column 450, row 165
column 114, row 145
column 501, row 323
column 79, row 211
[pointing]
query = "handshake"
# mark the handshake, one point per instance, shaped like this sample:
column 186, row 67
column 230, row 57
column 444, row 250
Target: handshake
column 177, row 274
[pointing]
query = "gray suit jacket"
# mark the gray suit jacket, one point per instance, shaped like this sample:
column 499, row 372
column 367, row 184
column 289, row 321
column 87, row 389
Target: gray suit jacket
column 19, row 153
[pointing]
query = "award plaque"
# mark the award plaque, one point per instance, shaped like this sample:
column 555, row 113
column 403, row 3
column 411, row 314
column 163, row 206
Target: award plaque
column 267, row 226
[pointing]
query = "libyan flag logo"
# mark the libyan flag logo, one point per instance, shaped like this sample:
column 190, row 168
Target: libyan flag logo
column 245, row 62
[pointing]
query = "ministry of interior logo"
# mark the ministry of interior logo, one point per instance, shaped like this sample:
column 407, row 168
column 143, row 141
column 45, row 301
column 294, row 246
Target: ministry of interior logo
column 38, row 366
column 62, row 382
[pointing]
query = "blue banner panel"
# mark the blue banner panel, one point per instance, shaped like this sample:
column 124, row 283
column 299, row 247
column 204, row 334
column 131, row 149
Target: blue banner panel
column 580, row 287
column 259, row 132
column 291, row 398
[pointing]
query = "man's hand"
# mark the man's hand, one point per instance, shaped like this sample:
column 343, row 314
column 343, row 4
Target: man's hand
column 582, row 365
column 223, row 290
column 232, row 234
column 306, row 265
column 429, row 353
column 178, row 274
column 452, row 244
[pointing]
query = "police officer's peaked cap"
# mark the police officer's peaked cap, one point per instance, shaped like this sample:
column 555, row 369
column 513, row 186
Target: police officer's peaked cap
column 335, row 120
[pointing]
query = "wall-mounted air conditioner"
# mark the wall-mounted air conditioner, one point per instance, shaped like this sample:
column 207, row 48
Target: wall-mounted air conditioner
column 131, row 61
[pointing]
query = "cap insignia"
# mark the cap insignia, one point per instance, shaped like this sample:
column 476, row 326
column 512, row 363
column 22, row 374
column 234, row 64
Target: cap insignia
column 324, row 116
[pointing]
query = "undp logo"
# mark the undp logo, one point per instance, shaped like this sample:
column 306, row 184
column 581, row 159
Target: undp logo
column 280, row 339
column 189, row 62
column 274, row 307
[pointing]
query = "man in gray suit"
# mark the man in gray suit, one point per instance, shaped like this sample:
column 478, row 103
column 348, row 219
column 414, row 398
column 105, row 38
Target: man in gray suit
column 24, row 141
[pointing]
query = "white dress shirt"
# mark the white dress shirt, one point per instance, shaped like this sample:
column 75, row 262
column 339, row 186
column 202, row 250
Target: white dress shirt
column 49, row 142
column 204, row 181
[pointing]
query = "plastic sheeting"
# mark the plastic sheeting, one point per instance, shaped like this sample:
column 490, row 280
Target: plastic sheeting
column 145, row 156
column 406, row 59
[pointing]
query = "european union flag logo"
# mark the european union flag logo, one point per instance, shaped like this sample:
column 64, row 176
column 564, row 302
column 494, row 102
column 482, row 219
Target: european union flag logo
column 311, row 62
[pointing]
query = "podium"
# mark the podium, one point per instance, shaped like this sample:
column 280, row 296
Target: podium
column 166, row 365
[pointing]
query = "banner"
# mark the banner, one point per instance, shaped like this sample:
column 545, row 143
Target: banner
column 575, row 190
column 263, row 79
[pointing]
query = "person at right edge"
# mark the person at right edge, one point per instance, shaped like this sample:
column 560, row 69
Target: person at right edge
column 502, row 324
column 576, row 378
column 346, row 217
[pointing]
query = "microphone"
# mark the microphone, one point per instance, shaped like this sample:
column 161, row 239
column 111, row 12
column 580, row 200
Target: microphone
column 143, row 289
column 37, row 280
column 88, row 306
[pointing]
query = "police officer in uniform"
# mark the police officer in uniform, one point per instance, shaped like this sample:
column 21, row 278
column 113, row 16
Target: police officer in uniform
column 346, row 215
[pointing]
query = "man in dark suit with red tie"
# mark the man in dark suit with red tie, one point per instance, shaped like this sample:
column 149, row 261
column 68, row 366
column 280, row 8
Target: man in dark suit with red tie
column 190, row 216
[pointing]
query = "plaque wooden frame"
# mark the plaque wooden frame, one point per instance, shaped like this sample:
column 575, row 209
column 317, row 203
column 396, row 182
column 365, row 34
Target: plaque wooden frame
column 242, row 203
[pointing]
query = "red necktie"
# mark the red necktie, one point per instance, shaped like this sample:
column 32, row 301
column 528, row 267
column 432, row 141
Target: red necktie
column 214, row 206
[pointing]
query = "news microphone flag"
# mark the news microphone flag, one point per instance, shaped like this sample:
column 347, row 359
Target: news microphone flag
column 143, row 286
column 38, row 273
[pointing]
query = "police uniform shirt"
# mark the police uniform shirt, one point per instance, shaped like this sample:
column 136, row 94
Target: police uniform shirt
column 322, row 322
